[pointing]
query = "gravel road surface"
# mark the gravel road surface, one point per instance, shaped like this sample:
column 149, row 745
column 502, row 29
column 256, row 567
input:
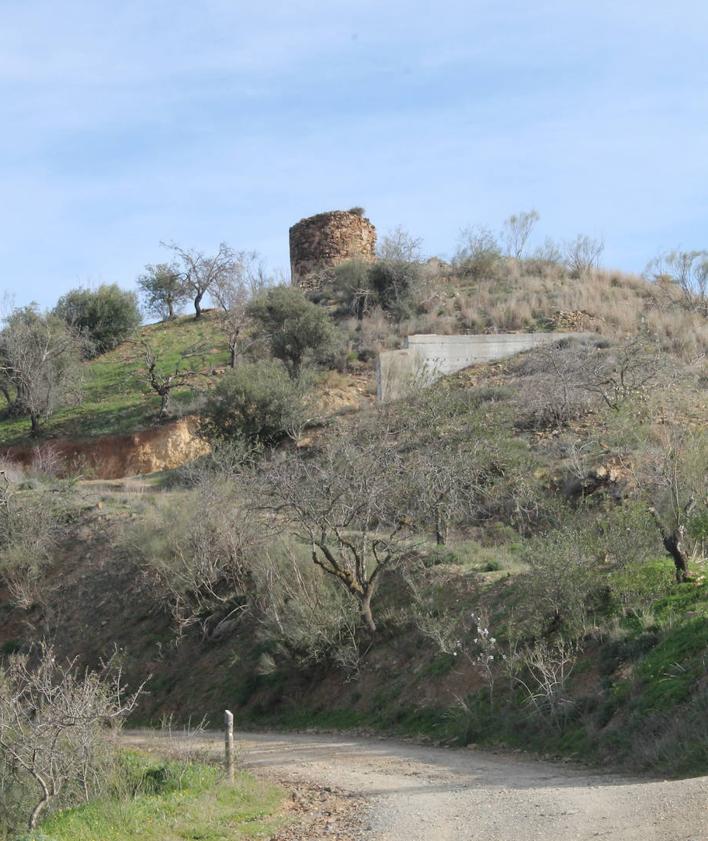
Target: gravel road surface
column 417, row 793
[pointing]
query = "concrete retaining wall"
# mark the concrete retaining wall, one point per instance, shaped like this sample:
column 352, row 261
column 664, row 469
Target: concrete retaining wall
column 427, row 357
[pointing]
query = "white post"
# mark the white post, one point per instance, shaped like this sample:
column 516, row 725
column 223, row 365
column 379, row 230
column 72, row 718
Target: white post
column 229, row 744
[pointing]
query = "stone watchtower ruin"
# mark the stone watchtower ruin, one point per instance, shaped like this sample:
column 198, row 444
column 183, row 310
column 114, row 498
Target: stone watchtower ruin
column 326, row 240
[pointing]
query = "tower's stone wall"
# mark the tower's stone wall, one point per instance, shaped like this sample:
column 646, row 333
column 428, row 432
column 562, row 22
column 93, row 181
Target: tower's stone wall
column 326, row 240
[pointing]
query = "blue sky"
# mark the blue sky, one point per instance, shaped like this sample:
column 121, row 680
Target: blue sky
column 127, row 123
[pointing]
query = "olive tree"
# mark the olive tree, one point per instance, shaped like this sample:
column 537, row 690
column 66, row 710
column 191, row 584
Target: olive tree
column 164, row 380
column 675, row 481
column 40, row 356
column 295, row 327
column 105, row 316
column 163, row 289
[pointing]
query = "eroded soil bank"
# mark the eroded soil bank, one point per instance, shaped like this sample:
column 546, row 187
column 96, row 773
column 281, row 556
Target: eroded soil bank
column 162, row 447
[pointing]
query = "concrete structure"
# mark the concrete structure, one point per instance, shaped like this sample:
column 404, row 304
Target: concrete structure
column 326, row 240
column 427, row 357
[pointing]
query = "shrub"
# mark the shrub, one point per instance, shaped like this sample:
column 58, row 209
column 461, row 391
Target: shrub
column 29, row 523
column 564, row 575
column 582, row 255
column 478, row 255
column 257, row 401
column 197, row 552
column 295, row 327
column 106, row 316
column 351, row 288
column 304, row 617
column 395, row 282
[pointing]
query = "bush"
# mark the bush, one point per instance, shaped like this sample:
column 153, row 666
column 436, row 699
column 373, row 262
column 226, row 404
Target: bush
column 564, row 576
column 351, row 288
column 106, row 316
column 394, row 282
column 256, row 401
column 478, row 255
column 29, row 525
column 295, row 327
column 198, row 554
column 304, row 617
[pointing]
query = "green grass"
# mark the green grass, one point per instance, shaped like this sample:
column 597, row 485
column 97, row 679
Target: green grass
column 174, row 801
column 116, row 398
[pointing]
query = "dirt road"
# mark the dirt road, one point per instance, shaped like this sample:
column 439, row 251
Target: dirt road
column 418, row 793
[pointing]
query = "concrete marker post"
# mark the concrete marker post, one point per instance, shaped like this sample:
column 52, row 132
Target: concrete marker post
column 229, row 744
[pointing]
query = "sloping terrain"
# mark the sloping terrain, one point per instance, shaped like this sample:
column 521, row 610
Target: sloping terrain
column 116, row 398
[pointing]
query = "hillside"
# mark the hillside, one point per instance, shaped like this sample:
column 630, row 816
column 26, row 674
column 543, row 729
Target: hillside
column 115, row 394
column 116, row 397
column 514, row 556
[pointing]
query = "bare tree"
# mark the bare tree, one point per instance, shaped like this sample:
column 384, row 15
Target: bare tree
column 399, row 246
column 342, row 504
column 40, row 367
column 446, row 482
column 517, row 230
column 164, row 383
column 620, row 373
column 688, row 270
column 52, row 724
column 200, row 272
column 676, row 481
column 233, row 291
column 582, row 255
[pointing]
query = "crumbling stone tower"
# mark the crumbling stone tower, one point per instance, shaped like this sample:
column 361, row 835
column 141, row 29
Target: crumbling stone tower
column 326, row 240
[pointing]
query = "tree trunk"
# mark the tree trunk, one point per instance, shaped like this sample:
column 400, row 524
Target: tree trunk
column 440, row 528
column 164, row 402
column 366, row 613
column 41, row 806
column 34, row 420
column 198, row 305
column 673, row 544
column 170, row 310
column 232, row 354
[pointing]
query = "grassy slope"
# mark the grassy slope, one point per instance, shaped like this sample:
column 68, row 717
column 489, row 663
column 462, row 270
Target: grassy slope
column 187, row 800
column 116, row 398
